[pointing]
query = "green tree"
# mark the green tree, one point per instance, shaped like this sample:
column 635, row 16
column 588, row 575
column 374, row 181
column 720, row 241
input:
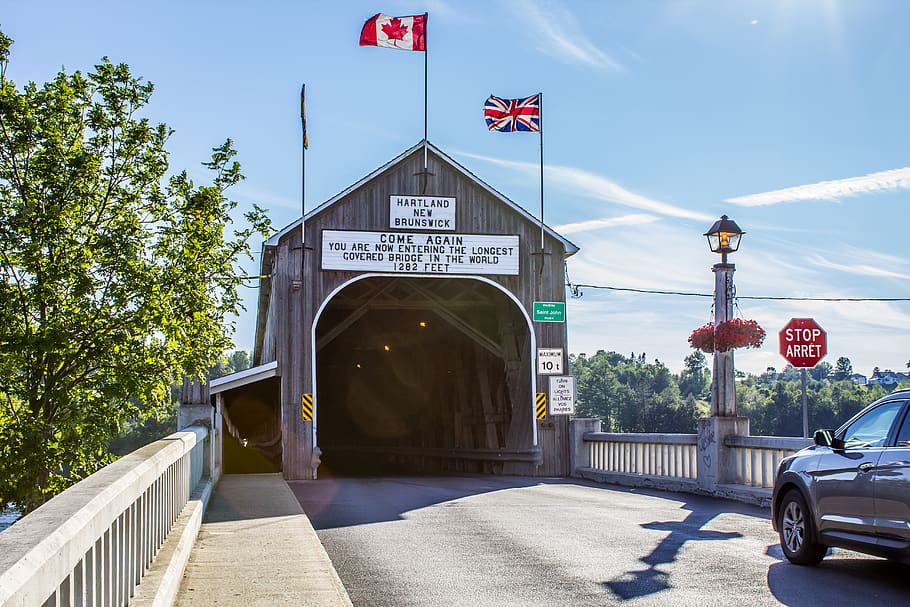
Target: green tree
column 790, row 373
column 783, row 413
column 768, row 377
column 843, row 369
column 821, row 371
column 114, row 278
column 632, row 395
column 238, row 360
column 141, row 429
column 695, row 379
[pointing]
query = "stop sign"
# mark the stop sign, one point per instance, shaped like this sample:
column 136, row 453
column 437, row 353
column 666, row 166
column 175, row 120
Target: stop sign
column 803, row 343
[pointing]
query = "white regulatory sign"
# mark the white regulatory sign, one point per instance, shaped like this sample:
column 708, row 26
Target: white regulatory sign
column 562, row 395
column 421, row 213
column 420, row 253
column 549, row 361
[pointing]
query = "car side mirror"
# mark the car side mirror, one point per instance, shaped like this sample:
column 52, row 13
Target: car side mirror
column 823, row 438
column 826, row 438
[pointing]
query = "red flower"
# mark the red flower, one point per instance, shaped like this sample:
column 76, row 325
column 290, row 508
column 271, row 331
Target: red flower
column 736, row 333
column 702, row 338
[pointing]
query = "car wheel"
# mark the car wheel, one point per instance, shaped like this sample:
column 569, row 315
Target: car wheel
column 796, row 531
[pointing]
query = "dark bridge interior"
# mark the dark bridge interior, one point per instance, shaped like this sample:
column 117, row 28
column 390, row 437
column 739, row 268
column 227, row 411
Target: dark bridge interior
column 423, row 376
column 252, row 433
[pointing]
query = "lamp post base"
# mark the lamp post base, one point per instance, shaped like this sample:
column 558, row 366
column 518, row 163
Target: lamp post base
column 715, row 464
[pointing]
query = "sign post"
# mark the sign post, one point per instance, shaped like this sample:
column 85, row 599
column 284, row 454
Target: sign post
column 803, row 343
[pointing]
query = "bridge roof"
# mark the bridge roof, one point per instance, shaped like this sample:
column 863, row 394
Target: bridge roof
column 570, row 247
column 270, row 246
column 244, row 378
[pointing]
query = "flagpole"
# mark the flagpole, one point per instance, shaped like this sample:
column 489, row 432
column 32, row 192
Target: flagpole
column 426, row 52
column 303, row 146
column 540, row 106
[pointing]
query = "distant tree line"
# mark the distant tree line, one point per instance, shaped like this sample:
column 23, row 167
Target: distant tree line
column 630, row 394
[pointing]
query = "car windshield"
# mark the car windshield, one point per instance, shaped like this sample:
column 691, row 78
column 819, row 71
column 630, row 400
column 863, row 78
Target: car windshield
column 871, row 430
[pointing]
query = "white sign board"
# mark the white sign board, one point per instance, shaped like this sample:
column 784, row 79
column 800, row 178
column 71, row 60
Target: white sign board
column 421, row 213
column 562, row 395
column 420, row 253
column 549, row 361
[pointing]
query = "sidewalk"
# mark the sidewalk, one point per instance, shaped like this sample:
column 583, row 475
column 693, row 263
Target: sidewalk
column 257, row 547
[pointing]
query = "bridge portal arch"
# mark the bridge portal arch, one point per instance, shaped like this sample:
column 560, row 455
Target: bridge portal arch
column 425, row 374
column 418, row 236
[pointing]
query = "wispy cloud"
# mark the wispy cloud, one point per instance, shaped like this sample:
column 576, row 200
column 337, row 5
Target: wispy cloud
column 862, row 269
column 896, row 179
column 624, row 260
column 558, row 33
column 606, row 222
column 591, row 185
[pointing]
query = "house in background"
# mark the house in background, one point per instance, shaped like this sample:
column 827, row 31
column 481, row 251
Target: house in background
column 887, row 378
column 858, row 378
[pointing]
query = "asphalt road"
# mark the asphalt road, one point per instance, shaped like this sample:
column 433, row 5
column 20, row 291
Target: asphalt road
column 506, row 541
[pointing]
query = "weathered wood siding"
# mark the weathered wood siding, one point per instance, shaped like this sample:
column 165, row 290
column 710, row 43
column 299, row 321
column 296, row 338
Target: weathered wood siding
column 298, row 290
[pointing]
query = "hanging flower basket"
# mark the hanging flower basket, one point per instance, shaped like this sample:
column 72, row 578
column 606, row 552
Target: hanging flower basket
column 702, row 338
column 736, row 333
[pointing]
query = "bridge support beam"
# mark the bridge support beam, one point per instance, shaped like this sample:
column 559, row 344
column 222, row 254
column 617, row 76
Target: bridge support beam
column 716, row 464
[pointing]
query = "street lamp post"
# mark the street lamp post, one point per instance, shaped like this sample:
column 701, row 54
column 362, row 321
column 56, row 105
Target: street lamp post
column 716, row 464
column 723, row 238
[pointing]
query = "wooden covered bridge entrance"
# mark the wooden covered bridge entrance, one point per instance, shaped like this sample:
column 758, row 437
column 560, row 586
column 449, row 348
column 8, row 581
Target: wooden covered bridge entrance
column 399, row 338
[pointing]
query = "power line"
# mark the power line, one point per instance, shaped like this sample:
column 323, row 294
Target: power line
column 576, row 292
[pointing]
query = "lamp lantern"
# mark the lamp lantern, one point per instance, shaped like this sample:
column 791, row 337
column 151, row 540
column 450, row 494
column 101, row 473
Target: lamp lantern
column 724, row 237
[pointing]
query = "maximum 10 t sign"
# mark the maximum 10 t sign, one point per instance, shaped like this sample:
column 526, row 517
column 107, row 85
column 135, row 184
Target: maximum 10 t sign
column 803, row 342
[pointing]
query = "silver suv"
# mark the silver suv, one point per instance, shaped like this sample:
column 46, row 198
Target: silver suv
column 851, row 489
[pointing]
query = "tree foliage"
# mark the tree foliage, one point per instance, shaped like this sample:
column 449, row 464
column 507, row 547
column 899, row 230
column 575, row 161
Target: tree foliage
column 843, row 369
column 774, row 405
column 630, row 394
column 141, row 430
column 115, row 278
column 695, row 379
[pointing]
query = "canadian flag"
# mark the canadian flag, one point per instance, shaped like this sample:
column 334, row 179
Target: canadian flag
column 404, row 33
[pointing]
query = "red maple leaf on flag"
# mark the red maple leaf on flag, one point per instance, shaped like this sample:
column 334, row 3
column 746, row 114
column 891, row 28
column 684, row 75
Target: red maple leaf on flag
column 394, row 29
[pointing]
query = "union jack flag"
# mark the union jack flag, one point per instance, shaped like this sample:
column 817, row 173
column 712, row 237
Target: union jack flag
column 509, row 115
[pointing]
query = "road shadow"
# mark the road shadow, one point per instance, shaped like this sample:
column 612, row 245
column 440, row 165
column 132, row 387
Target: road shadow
column 345, row 502
column 250, row 497
column 842, row 574
column 651, row 580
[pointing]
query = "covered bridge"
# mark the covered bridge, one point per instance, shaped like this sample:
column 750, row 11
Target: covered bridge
column 399, row 338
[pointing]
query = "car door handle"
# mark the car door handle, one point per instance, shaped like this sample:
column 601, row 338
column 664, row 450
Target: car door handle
column 866, row 467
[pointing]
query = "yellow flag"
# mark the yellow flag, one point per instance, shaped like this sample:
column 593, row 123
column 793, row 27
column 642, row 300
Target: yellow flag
column 306, row 141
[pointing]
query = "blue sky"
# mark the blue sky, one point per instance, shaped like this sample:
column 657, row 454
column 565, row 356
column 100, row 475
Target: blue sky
column 788, row 116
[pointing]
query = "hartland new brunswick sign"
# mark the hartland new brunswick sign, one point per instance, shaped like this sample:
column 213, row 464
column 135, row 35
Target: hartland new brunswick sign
column 421, row 212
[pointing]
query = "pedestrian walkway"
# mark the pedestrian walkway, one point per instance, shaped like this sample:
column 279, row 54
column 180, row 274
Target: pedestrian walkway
column 257, row 547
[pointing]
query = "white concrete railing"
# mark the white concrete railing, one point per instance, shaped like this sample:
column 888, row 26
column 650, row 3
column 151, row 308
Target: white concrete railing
column 666, row 455
column 756, row 457
column 92, row 544
column 670, row 460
